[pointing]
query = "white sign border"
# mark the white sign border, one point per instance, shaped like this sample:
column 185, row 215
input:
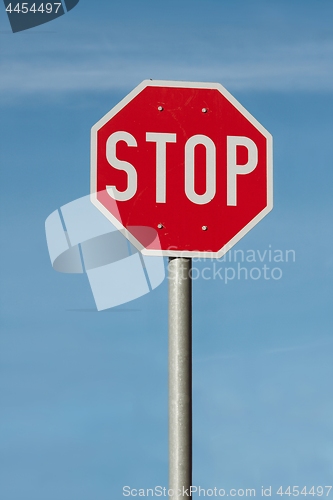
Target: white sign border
column 115, row 221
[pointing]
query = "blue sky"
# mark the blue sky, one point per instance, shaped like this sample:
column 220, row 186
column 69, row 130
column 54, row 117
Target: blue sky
column 84, row 393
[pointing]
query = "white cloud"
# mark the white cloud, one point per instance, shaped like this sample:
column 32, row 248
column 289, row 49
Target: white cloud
column 52, row 67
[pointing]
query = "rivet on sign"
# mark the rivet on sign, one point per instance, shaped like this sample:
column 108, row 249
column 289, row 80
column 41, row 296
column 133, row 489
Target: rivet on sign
column 204, row 110
column 160, row 226
column 160, row 108
column 204, row 228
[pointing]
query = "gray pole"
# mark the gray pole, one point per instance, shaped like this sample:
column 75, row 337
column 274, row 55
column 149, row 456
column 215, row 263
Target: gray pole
column 180, row 376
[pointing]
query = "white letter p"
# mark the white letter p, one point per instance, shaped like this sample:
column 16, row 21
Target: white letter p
column 233, row 169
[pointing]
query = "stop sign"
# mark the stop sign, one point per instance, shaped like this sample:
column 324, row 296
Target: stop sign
column 186, row 161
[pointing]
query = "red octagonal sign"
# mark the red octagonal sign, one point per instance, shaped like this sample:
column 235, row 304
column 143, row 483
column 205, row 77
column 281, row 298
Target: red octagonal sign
column 185, row 160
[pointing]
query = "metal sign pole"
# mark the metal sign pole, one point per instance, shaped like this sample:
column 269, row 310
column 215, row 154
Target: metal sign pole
column 180, row 377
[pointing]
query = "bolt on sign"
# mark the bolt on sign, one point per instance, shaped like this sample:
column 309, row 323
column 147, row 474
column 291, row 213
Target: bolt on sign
column 185, row 160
